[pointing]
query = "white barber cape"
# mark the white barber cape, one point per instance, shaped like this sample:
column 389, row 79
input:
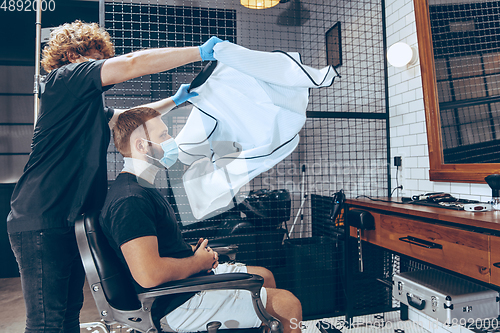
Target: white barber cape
column 245, row 120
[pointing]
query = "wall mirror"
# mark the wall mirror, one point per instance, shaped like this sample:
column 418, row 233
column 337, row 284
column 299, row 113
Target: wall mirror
column 459, row 49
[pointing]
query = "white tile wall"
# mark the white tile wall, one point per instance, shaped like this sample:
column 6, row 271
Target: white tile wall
column 407, row 118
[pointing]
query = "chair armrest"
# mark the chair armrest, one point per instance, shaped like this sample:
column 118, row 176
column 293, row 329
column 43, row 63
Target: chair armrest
column 211, row 282
column 229, row 251
column 223, row 247
column 214, row 242
column 218, row 242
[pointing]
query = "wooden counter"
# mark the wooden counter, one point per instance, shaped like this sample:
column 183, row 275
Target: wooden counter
column 464, row 242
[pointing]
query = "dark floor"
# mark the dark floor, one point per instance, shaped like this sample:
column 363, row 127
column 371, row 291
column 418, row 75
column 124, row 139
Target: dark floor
column 12, row 310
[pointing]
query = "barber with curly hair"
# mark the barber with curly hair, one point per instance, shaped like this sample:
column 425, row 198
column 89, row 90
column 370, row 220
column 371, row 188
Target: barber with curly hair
column 66, row 173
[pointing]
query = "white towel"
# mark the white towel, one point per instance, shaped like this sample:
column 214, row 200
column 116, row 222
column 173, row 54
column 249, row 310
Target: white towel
column 245, row 120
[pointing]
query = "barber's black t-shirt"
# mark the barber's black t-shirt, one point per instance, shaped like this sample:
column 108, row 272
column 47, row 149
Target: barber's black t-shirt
column 134, row 210
column 66, row 172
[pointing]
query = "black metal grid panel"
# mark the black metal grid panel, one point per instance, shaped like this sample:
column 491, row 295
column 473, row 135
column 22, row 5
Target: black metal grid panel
column 346, row 153
column 370, row 291
column 372, row 288
column 339, row 152
column 362, row 86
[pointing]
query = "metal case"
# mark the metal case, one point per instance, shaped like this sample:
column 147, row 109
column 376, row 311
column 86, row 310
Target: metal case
column 444, row 297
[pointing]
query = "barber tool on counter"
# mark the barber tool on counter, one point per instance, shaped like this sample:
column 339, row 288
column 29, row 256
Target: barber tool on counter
column 494, row 182
column 435, row 197
column 446, row 200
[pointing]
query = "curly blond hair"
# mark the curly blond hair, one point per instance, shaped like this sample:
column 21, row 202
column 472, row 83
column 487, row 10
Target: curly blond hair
column 77, row 38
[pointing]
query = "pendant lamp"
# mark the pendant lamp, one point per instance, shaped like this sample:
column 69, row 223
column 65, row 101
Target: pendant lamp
column 259, row 4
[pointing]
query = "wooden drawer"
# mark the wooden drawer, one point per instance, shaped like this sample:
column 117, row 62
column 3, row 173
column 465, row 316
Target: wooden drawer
column 495, row 260
column 461, row 251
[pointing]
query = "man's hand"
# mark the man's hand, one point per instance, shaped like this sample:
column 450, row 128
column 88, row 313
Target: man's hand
column 183, row 95
column 207, row 257
column 195, row 247
column 207, row 49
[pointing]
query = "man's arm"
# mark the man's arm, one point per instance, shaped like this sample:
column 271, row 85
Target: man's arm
column 150, row 270
column 167, row 104
column 135, row 64
column 163, row 105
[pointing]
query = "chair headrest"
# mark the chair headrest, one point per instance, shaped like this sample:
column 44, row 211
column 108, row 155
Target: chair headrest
column 115, row 278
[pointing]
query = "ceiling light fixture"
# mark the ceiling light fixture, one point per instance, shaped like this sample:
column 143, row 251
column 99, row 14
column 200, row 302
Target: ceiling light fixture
column 259, row 4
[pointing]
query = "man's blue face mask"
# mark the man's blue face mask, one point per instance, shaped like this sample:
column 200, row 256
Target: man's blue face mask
column 170, row 152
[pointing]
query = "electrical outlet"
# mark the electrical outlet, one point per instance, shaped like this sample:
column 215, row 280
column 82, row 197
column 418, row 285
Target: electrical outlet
column 400, row 175
column 398, row 161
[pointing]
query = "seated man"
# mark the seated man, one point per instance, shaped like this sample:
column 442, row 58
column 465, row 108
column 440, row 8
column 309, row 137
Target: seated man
column 141, row 227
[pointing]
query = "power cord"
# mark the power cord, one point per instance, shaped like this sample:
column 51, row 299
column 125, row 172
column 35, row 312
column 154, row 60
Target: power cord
column 397, row 179
column 392, row 192
column 397, row 183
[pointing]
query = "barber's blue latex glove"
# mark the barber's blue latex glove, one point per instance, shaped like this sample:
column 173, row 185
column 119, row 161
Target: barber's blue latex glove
column 207, row 49
column 183, row 95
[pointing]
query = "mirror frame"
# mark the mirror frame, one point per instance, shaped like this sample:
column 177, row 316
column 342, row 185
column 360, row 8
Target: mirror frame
column 463, row 173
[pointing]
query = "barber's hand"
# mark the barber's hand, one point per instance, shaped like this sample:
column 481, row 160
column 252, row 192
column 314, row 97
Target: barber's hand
column 206, row 256
column 183, row 95
column 207, row 49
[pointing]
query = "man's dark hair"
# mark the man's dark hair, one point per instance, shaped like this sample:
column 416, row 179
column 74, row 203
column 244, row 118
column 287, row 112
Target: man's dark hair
column 127, row 123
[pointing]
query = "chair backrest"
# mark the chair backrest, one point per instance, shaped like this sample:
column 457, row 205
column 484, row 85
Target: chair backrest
column 103, row 267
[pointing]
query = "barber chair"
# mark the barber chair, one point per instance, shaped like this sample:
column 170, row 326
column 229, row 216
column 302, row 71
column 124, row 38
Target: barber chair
column 117, row 300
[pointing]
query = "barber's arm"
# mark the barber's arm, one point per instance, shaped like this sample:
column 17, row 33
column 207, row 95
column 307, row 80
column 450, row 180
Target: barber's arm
column 167, row 104
column 150, row 270
column 135, row 64
column 164, row 105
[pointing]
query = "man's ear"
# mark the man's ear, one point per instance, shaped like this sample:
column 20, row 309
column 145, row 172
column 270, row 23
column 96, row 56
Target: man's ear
column 72, row 56
column 140, row 146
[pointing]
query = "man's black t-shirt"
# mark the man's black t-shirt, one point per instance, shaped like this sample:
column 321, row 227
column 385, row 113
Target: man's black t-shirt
column 134, row 210
column 66, row 172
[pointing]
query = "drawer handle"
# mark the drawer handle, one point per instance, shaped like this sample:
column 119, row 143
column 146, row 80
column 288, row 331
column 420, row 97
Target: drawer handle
column 421, row 242
column 418, row 306
column 497, row 264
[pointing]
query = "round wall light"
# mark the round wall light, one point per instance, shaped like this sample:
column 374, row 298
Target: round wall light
column 401, row 54
column 259, row 4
